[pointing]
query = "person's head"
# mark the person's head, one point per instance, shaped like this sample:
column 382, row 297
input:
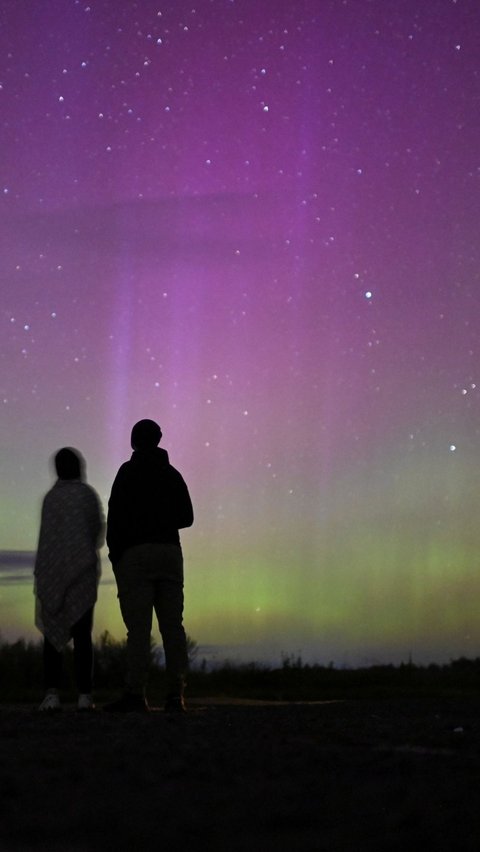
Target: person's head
column 69, row 464
column 146, row 435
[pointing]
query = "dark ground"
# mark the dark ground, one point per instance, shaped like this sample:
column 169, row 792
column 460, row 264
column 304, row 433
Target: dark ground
column 383, row 774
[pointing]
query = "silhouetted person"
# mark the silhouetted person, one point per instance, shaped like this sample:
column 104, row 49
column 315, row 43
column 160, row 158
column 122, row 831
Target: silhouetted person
column 149, row 503
column 67, row 574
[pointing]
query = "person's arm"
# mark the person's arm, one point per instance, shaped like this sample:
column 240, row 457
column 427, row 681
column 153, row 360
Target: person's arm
column 41, row 539
column 116, row 517
column 183, row 504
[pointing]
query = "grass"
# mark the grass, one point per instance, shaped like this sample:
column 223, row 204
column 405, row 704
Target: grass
column 21, row 676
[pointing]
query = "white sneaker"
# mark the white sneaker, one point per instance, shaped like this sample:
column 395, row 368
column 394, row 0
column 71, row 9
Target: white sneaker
column 50, row 702
column 85, row 702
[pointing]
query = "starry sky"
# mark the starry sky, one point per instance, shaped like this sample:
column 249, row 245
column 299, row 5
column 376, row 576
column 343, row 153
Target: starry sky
column 257, row 223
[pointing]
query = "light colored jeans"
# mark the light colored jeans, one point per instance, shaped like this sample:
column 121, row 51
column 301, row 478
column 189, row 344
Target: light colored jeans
column 150, row 577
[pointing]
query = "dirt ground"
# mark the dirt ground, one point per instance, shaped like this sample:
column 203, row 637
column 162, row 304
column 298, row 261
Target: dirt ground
column 387, row 774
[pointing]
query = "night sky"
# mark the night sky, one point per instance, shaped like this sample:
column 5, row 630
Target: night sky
column 257, row 223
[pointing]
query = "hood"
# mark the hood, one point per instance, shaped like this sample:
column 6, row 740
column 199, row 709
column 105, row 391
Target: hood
column 146, row 458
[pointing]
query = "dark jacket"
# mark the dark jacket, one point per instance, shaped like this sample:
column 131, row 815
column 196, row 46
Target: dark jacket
column 149, row 503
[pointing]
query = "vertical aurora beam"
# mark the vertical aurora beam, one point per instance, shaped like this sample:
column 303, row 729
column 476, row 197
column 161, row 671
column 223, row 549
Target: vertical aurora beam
column 120, row 368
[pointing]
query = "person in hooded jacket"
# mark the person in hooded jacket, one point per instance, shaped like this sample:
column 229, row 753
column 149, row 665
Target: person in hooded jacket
column 148, row 504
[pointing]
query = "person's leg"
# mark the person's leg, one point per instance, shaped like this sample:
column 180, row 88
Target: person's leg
column 83, row 652
column 135, row 593
column 168, row 605
column 52, row 666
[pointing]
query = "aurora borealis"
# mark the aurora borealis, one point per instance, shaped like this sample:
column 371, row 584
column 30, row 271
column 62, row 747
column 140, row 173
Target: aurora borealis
column 257, row 223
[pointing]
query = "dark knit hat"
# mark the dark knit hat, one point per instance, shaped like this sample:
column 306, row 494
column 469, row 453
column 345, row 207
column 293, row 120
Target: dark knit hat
column 146, row 435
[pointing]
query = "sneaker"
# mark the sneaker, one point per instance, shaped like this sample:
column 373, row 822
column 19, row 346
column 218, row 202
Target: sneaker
column 50, row 703
column 175, row 704
column 130, row 702
column 85, row 702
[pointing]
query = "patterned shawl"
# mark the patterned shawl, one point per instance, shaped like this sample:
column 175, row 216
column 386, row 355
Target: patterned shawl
column 67, row 564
